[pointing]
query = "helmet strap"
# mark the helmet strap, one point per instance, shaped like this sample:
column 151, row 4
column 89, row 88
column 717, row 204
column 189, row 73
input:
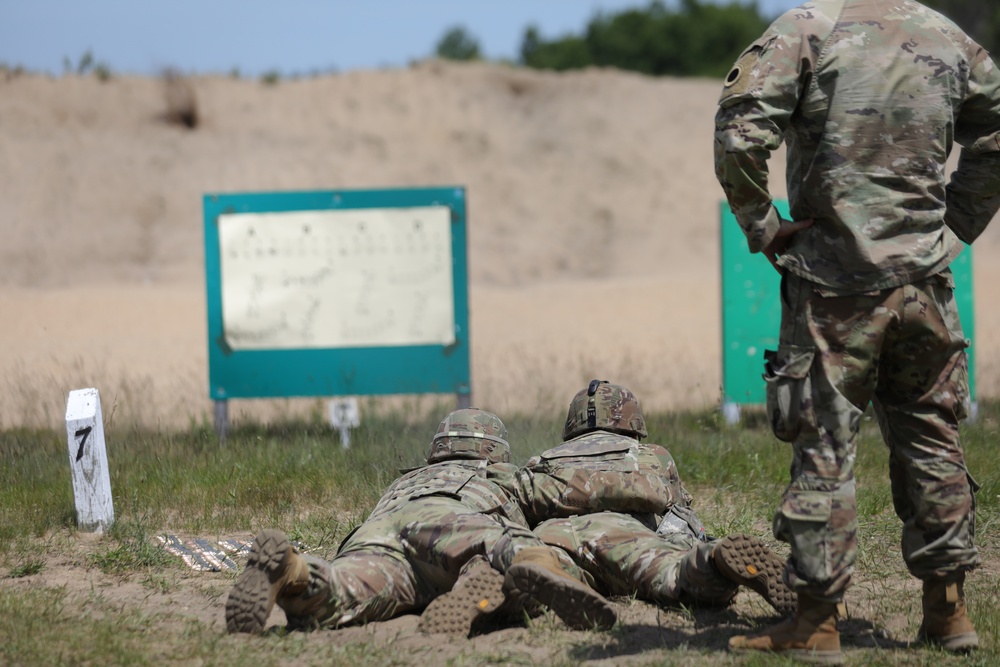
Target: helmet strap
column 591, row 406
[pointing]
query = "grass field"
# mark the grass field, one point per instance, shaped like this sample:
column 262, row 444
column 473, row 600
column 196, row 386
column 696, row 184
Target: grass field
column 72, row 598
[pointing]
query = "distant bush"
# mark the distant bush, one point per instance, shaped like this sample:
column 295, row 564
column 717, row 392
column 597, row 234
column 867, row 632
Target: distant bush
column 562, row 54
column 85, row 63
column 270, row 77
column 697, row 39
column 979, row 18
column 102, row 71
column 180, row 99
column 458, row 44
column 7, row 72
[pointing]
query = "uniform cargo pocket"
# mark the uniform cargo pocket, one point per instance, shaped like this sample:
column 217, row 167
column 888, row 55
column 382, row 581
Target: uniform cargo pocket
column 786, row 372
column 803, row 520
column 800, row 505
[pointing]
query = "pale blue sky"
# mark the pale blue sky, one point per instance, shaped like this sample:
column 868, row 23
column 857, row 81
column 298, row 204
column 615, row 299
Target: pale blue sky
column 291, row 36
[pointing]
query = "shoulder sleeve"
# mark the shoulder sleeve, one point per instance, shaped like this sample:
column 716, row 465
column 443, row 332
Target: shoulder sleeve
column 745, row 80
column 758, row 98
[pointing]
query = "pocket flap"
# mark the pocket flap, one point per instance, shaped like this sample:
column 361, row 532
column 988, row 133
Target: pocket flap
column 593, row 444
column 807, row 505
column 791, row 361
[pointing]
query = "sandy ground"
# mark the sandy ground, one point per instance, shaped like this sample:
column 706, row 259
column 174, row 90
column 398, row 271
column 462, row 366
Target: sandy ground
column 593, row 226
column 187, row 608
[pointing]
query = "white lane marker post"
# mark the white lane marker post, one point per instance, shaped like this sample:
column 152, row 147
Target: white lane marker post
column 88, row 461
column 344, row 416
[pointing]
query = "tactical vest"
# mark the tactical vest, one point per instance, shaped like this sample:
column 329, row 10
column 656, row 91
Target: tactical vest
column 462, row 480
column 600, row 472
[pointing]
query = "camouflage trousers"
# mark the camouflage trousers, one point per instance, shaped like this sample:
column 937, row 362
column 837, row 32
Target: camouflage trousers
column 625, row 557
column 403, row 559
column 903, row 350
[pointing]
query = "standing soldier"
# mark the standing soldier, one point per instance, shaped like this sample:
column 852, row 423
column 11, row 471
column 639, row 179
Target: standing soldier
column 445, row 534
column 869, row 96
column 617, row 508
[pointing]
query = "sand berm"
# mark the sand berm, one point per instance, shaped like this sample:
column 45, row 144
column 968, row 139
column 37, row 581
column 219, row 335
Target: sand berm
column 593, row 227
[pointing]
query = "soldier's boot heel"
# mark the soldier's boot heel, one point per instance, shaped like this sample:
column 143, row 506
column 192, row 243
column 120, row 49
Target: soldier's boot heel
column 748, row 561
column 538, row 573
column 810, row 636
column 946, row 622
column 478, row 591
column 273, row 568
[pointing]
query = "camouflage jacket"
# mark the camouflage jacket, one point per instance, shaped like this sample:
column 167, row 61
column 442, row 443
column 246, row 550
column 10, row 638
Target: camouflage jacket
column 479, row 485
column 597, row 472
column 868, row 96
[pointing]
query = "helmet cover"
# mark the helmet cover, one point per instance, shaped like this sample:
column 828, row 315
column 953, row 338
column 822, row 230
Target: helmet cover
column 470, row 433
column 604, row 406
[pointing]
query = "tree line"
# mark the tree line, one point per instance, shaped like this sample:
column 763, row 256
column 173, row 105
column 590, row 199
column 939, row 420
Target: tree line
column 687, row 38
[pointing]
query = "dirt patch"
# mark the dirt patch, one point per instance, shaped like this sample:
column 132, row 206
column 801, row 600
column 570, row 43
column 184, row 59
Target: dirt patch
column 883, row 615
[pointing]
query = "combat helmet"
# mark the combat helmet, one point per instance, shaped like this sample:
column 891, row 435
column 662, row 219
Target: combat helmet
column 604, row 406
column 470, row 433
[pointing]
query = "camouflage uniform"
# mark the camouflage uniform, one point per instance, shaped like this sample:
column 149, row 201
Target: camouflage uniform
column 618, row 508
column 427, row 529
column 868, row 96
column 600, row 471
column 608, row 494
column 410, row 550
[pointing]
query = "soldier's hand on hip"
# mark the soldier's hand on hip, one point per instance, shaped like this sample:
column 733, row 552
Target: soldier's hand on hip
column 784, row 236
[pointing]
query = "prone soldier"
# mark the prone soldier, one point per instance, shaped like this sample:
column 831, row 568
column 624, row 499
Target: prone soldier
column 445, row 534
column 617, row 508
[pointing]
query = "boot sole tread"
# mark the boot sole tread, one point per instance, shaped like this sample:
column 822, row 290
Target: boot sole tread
column 737, row 553
column 478, row 593
column 577, row 605
column 252, row 597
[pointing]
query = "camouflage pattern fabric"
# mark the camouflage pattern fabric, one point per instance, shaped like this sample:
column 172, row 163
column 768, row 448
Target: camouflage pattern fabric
column 604, row 406
column 470, row 433
column 868, row 96
column 624, row 557
column 599, row 498
column 471, row 481
column 411, row 549
column 903, row 349
column 596, row 472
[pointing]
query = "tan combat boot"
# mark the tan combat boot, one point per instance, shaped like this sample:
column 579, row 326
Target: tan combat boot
column 478, row 591
column 538, row 573
column 809, row 636
column 273, row 569
column 748, row 561
column 946, row 623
